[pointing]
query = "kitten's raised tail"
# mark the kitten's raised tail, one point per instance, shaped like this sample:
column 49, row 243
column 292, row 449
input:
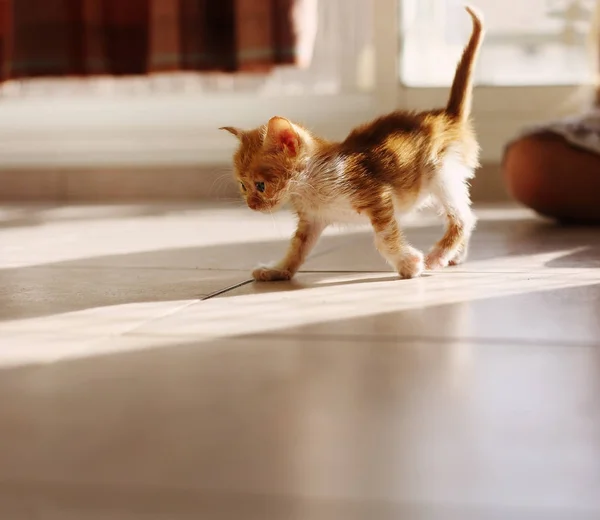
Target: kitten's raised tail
column 461, row 93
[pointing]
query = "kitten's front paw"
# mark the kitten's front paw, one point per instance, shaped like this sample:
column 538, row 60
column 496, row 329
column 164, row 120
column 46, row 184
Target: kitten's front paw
column 271, row 274
column 410, row 264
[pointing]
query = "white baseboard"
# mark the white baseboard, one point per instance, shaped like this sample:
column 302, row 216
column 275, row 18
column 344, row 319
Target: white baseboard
column 155, row 131
column 182, row 130
column 161, row 184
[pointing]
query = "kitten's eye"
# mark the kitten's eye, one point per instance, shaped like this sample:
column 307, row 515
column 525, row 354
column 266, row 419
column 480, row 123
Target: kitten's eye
column 260, row 186
column 243, row 186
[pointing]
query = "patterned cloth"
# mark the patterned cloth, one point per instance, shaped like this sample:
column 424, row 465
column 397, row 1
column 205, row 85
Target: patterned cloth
column 582, row 131
column 124, row 37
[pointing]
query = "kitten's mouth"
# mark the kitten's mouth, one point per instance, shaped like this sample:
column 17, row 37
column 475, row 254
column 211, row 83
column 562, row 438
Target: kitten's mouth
column 262, row 206
column 267, row 208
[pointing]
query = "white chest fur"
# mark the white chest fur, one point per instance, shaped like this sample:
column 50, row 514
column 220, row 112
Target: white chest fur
column 333, row 210
column 340, row 211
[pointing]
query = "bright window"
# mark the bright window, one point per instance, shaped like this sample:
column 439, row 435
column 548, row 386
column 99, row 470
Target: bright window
column 528, row 42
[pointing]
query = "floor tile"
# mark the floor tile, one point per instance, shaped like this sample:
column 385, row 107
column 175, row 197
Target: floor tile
column 98, row 302
column 101, row 502
column 489, row 430
column 21, row 347
column 513, row 245
column 234, row 238
column 143, row 376
column 37, row 292
column 533, row 306
column 95, row 321
column 205, row 237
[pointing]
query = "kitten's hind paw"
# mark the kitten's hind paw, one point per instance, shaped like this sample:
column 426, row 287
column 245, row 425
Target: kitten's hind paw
column 436, row 260
column 410, row 264
column 271, row 274
column 456, row 261
column 459, row 258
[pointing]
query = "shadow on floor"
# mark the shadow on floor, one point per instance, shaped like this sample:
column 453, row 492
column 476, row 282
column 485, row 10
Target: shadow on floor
column 173, row 275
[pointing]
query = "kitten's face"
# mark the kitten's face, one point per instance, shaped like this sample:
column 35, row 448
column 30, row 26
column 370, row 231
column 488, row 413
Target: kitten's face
column 265, row 162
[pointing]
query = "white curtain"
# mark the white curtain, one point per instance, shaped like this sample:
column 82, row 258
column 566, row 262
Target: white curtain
column 595, row 50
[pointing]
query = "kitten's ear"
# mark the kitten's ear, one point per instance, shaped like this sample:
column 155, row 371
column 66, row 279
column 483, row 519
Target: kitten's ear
column 232, row 130
column 282, row 136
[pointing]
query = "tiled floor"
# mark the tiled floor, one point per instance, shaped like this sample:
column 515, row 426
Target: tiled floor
column 141, row 377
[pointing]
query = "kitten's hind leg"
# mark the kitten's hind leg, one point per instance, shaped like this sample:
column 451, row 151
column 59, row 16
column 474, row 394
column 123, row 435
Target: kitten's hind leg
column 452, row 192
column 461, row 256
column 390, row 241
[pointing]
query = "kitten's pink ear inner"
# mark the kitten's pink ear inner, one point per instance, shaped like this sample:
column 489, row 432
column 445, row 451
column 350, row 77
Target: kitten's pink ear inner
column 281, row 136
column 232, row 130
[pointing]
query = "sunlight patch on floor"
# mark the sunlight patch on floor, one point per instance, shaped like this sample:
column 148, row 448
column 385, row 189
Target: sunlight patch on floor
column 266, row 308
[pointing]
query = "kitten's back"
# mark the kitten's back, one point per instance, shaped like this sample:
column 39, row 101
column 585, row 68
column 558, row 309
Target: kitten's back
column 405, row 140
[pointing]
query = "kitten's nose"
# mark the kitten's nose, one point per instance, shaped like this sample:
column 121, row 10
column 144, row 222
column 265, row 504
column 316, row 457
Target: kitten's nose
column 253, row 203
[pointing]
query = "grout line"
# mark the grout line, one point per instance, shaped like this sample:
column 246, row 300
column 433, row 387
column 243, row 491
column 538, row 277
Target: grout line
column 549, row 271
column 225, row 290
column 387, row 339
column 432, row 339
column 166, row 314
column 193, row 501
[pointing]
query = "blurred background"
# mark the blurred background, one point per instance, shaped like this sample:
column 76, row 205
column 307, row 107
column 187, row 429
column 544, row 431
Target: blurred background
column 88, row 134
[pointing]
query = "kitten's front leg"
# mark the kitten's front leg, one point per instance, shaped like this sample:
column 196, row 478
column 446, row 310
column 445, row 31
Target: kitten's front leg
column 304, row 239
column 390, row 241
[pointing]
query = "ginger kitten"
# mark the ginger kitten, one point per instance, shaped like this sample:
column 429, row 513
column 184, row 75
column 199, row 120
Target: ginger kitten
column 393, row 164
